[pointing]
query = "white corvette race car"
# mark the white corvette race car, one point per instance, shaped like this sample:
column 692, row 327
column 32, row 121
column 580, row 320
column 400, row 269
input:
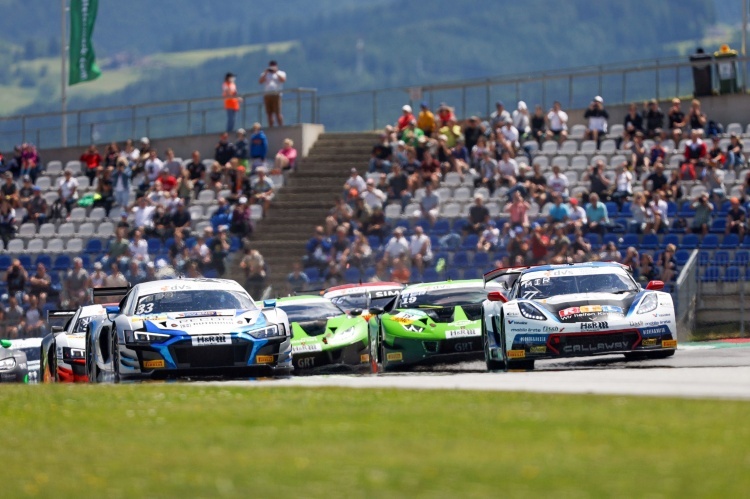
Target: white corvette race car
column 585, row 309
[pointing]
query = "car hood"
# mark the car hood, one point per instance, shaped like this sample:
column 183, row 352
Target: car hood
column 588, row 307
column 327, row 334
column 201, row 322
column 434, row 323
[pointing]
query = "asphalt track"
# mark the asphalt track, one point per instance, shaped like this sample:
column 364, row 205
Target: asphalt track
column 697, row 370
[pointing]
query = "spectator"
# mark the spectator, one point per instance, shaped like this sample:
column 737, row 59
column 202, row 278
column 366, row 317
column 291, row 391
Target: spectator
column 716, row 156
column 557, row 121
column 116, row 278
column 360, row 255
column 96, row 279
column 171, row 164
column 273, row 80
column 539, row 244
column 429, row 170
column 445, row 114
column 426, row 120
column 477, row 152
column 317, row 248
column 420, row 249
column 15, row 278
column 498, row 117
column 713, row 179
column 398, row 186
column 297, row 281
column 200, row 252
column 381, row 156
column 659, row 213
column 131, row 153
column 219, row 247
column 631, row 258
column 75, row 285
column 517, row 210
column 111, row 154
column 192, row 271
column 25, row 192
column 231, row 100
column 150, row 272
column 653, row 118
column 135, row 275
column 538, row 124
column 14, row 317
column 286, row 158
column 139, row 247
column 507, row 169
column 577, row 215
column 216, row 177
column 185, row 187
column 507, row 138
column 558, row 183
column 263, row 190
column 91, row 160
column 372, row 196
column 490, row 238
column 36, row 208
column 667, row 264
column 258, row 145
column 143, row 214
column 197, row 171
column 558, row 213
column 623, row 184
column 522, row 120
column 7, row 222
column 676, row 120
column 40, row 284
column 488, row 171
column 341, row 213
column 354, row 186
column 396, row 247
column 224, row 150
column 9, row 190
column 658, row 181
column 702, row 219
column 674, row 189
column 696, row 118
column 736, row 218
column 460, row 158
column 638, row 155
column 405, row 119
column 472, row 132
column 735, row 158
column 452, row 132
column 121, row 180
column 241, row 223
column 536, row 185
column 376, row 224
column 429, row 205
column 657, row 152
column 597, row 117
column 610, row 253
column 632, row 123
column 596, row 215
column 33, row 320
column 153, row 166
column 479, row 216
column 400, row 271
column 518, row 247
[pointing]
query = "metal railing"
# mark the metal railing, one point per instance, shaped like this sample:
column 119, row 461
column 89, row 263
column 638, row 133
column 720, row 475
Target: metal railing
column 685, row 297
column 154, row 120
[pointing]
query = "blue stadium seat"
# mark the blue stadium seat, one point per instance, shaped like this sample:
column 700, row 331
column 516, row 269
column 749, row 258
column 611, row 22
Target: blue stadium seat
column 62, row 262
column 425, row 224
column 5, row 261
column 369, row 273
column 441, row 227
column 313, row 273
column 630, row 240
column 441, row 254
column 730, row 241
column 724, row 208
column 404, row 224
column 470, row 242
column 374, row 242
column 687, row 210
column 681, row 257
column 718, row 226
column 711, row 274
column 482, row 261
column 211, row 274
column 459, row 224
column 650, row 242
column 612, row 208
column 45, row 259
column 741, row 258
column 626, row 209
column 671, row 209
column 235, row 243
column 430, row 275
column 689, row 241
column 710, row 241
column 454, row 274
column 594, row 240
column 154, row 245
column 704, row 257
column 460, row 259
column 352, row 275
column 672, row 239
column 608, row 238
column 94, row 247
column 732, row 274
column 745, row 242
column 26, row 262
column 619, row 225
column 721, row 258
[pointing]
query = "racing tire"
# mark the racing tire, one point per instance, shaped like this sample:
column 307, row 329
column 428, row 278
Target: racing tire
column 52, row 363
column 115, row 354
column 381, row 351
column 492, row 364
column 660, row 354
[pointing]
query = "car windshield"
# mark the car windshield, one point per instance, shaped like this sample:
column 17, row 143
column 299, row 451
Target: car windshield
column 310, row 310
column 536, row 286
column 441, row 297
column 193, row 301
column 350, row 302
column 82, row 325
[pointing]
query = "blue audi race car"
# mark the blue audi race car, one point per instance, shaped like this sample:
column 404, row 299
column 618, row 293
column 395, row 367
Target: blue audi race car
column 189, row 327
column 577, row 310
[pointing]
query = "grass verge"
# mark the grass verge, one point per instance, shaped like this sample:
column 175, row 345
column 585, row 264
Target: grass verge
column 160, row 440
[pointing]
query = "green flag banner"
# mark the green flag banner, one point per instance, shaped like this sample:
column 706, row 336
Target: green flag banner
column 82, row 59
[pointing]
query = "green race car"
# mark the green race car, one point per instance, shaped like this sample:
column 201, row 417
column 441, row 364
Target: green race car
column 431, row 322
column 324, row 337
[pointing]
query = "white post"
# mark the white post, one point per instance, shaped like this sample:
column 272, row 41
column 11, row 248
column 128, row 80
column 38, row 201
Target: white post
column 63, row 73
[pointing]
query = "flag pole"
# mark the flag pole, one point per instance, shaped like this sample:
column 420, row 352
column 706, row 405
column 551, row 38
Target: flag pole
column 63, row 75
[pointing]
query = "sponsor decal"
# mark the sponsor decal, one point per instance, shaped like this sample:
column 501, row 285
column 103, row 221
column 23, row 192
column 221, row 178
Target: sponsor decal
column 603, row 346
column 552, row 329
column 305, row 362
column 313, row 347
column 516, row 354
column 174, row 287
column 566, row 312
column 384, row 294
column 594, row 326
column 211, row 339
column 528, row 339
column 205, row 313
column 517, row 322
column 611, row 309
column 153, row 364
column 264, row 359
column 669, row 344
column 462, row 333
column 654, row 331
column 538, row 349
column 364, row 357
column 636, row 323
column 465, row 346
column 649, row 342
column 512, row 314
column 394, row 356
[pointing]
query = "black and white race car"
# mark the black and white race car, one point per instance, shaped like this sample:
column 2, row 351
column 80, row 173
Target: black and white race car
column 584, row 309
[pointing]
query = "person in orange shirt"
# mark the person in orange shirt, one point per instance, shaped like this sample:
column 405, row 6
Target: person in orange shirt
column 426, row 120
column 405, row 118
column 231, row 101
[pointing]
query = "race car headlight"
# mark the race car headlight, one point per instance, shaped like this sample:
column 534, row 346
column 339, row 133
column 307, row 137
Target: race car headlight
column 267, row 332
column 150, row 337
column 7, row 364
column 414, row 328
column 648, row 304
column 530, row 311
column 344, row 336
column 73, row 353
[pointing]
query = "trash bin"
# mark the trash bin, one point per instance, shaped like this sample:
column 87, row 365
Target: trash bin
column 702, row 84
column 726, row 69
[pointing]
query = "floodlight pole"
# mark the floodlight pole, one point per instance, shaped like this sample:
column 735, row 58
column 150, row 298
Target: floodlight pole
column 63, row 74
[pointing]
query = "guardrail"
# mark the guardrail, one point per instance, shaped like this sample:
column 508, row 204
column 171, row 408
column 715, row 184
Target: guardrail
column 686, row 297
column 154, row 120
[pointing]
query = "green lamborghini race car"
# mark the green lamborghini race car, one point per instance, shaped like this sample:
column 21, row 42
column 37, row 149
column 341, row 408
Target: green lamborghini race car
column 324, row 337
column 430, row 323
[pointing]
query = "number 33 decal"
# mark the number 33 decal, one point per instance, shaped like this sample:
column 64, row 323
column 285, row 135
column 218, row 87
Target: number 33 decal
column 144, row 308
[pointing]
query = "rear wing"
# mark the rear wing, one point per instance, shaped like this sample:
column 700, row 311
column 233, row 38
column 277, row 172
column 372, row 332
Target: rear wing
column 505, row 276
column 60, row 315
column 113, row 291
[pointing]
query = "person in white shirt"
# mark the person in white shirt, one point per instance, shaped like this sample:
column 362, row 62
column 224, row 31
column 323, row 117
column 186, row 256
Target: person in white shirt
column 557, row 123
column 623, row 183
column 576, row 214
column 490, row 238
column 498, row 117
column 507, row 137
column 372, row 196
column 354, row 186
column 420, row 248
column 139, row 247
column 67, row 188
column 558, row 182
column 658, row 209
column 273, row 80
column 396, row 247
column 143, row 214
column 508, row 169
column 153, row 166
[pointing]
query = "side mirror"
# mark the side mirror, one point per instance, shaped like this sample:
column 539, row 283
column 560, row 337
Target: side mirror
column 269, row 303
column 655, row 285
column 112, row 311
column 376, row 311
column 497, row 296
column 355, row 312
column 5, row 343
column 56, row 329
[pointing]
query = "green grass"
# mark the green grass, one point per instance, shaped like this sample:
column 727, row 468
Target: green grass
column 161, row 440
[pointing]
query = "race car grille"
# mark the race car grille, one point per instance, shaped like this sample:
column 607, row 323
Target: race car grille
column 594, row 343
column 211, row 356
column 458, row 345
column 473, row 312
column 444, row 314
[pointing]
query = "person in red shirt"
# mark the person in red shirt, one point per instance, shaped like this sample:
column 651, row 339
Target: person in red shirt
column 429, row 170
column 445, row 114
column 91, row 159
column 231, row 100
column 168, row 182
column 695, row 156
column 405, row 118
column 539, row 243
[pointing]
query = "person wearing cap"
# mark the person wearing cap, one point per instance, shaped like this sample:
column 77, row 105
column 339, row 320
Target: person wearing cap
column 96, row 278
column 412, row 135
column 36, row 208
column 426, row 119
column 121, row 180
column 632, row 123
column 258, row 144
column 372, row 196
column 406, row 117
column 263, row 190
column 653, row 118
column 576, row 214
column 703, row 212
column 522, row 120
column 445, row 114
column 381, row 156
column 231, row 100
column 272, row 79
column 26, row 191
column 353, row 186
column 499, row 115
column 557, row 123
column 735, row 158
column 9, row 190
column 596, row 117
column 736, row 218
